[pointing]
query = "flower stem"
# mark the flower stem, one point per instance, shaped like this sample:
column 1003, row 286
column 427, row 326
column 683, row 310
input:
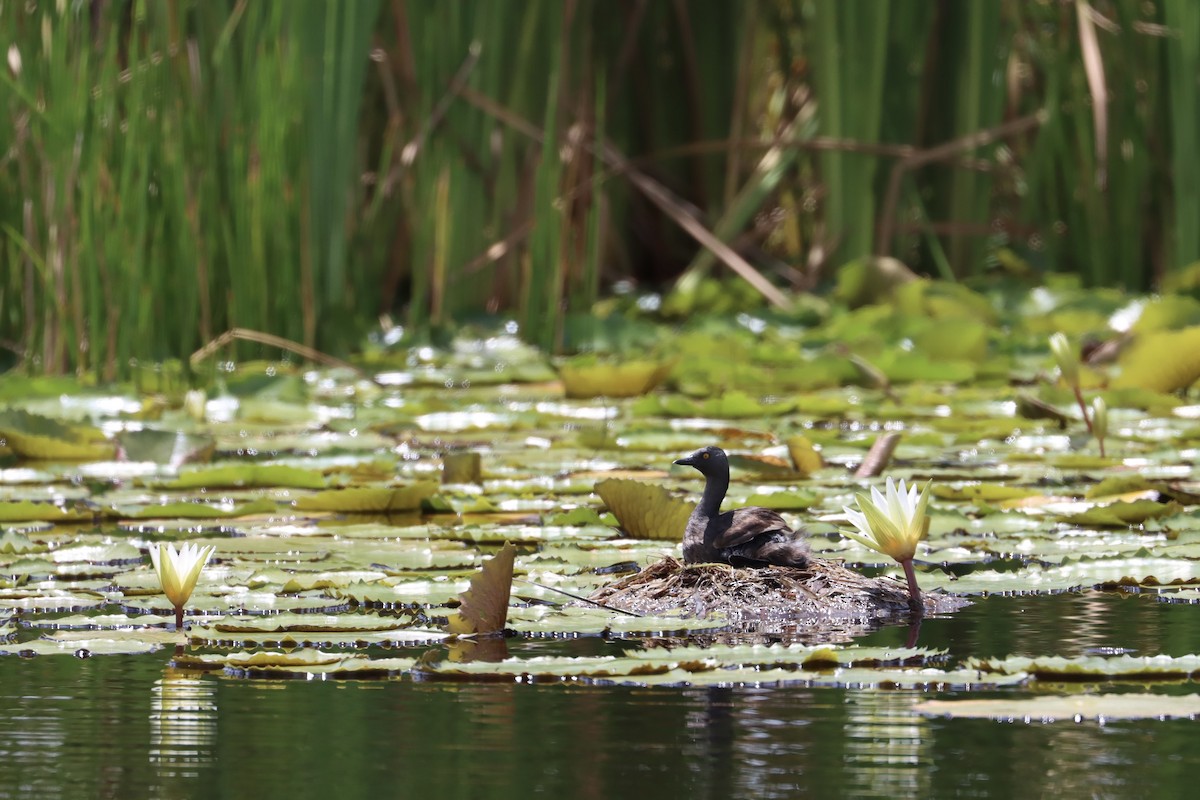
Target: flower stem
column 915, row 604
column 178, row 618
column 1087, row 418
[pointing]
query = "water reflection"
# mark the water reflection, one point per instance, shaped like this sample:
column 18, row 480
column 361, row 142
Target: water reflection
column 126, row 726
column 888, row 748
column 183, row 723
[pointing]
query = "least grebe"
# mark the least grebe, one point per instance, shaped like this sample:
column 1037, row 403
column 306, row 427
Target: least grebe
column 752, row 536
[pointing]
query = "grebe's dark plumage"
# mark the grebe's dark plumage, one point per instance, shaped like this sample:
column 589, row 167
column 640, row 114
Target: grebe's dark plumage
column 752, row 536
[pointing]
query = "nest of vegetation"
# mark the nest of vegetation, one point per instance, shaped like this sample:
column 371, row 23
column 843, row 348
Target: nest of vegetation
column 822, row 598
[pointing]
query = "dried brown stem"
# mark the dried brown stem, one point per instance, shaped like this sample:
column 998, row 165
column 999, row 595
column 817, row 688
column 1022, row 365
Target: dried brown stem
column 942, row 152
column 271, row 340
column 878, row 457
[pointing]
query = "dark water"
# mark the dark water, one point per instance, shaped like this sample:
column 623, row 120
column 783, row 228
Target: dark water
column 131, row 727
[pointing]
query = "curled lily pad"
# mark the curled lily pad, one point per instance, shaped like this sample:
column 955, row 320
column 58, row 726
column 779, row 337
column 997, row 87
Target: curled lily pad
column 1162, row 361
column 587, row 376
column 645, row 510
column 484, row 606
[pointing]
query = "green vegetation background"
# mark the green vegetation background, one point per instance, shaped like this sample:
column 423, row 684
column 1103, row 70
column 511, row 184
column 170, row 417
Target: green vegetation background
column 174, row 169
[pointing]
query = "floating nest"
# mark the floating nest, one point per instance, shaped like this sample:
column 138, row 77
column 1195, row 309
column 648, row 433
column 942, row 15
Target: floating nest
column 821, row 600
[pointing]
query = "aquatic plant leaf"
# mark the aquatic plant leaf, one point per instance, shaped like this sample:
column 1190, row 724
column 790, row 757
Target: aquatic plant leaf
column 902, row 367
column 588, row 376
column 369, row 499
column 34, row 436
column 302, row 622
column 297, row 664
column 645, row 510
column 1121, row 514
column 853, row 677
column 409, row 593
column 33, row 600
column 737, row 404
column 13, row 542
column 812, row 656
column 1048, row 668
column 484, row 607
column 247, row 475
column 950, row 339
column 166, row 447
column 34, row 510
column 195, row 509
column 981, row 492
column 97, row 645
column 1073, row 708
column 583, row 515
column 394, row 637
column 784, row 500
column 93, row 622
column 633, row 671
column 1119, row 485
column 556, row 621
column 1162, row 361
column 108, row 553
column 805, row 457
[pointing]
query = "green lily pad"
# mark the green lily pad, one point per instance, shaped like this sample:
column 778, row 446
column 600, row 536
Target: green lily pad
column 369, row 499
column 587, row 376
column 38, row 437
column 1124, row 667
column 197, row 509
column 247, row 475
column 1073, row 709
column 30, row 510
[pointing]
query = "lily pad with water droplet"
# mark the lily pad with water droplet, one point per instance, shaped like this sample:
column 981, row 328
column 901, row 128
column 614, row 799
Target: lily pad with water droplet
column 195, row 509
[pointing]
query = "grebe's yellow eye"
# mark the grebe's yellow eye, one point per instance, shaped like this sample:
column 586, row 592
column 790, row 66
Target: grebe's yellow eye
column 705, row 455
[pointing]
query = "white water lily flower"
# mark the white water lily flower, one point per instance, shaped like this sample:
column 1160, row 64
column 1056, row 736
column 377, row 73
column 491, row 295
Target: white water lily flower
column 178, row 570
column 891, row 523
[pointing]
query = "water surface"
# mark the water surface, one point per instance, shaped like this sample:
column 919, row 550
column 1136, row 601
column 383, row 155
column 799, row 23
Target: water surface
column 132, row 727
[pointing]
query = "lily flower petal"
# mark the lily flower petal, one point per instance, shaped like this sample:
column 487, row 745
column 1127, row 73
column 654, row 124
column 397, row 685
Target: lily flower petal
column 178, row 570
column 891, row 522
